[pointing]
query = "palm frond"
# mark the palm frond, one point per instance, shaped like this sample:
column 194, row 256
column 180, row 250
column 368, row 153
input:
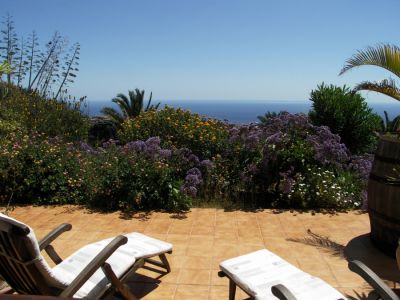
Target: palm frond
column 136, row 98
column 155, row 106
column 113, row 115
column 149, row 102
column 386, row 86
column 268, row 115
column 385, row 56
column 131, row 105
column 123, row 102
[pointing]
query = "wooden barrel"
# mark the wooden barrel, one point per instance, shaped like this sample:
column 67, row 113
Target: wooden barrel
column 384, row 196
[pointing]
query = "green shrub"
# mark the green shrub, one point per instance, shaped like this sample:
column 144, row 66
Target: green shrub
column 126, row 180
column 346, row 114
column 178, row 128
column 37, row 170
column 35, row 113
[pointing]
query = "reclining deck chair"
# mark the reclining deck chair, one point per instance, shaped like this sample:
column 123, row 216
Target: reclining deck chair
column 96, row 270
column 380, row 289
column 264, row 275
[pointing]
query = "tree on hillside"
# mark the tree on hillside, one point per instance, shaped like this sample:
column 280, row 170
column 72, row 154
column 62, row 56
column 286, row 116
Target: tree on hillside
column 21, row 63
column 46, row 71
column 130, row 106
column 9, row 44
column 70, row 68
column 33, row 56
column 385, row 56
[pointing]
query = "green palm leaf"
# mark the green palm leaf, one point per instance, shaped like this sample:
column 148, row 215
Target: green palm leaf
column 386, row 86
column 113, row 115
column 131, row 106
column 149, row 102
column 124, row 104
column 385, row 56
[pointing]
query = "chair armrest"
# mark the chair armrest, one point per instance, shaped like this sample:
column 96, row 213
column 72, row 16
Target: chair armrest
column 94, row 265
column 282, row 292
column 52, row 235
column 373, row 280
column 221, row 274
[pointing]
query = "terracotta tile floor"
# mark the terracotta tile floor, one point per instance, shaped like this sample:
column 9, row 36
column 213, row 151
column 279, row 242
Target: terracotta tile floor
column 203, row 238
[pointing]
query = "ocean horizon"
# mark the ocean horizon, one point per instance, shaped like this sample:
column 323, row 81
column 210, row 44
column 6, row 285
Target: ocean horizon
column 240, row 112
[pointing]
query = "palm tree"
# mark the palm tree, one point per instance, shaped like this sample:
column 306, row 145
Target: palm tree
column 268, row 115
column 385, row 56
column 130, row 106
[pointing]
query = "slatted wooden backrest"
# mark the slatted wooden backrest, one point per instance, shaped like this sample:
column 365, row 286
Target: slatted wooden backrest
column 17, row 260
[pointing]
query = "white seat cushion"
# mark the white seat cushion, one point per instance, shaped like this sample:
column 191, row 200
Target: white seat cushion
column 31, row 248
column 138, row 246
column 258, row 271
column 144, row 246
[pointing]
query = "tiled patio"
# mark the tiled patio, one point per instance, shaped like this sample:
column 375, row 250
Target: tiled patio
column 204, row 237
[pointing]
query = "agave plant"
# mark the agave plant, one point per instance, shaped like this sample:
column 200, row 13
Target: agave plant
column 130, row 106
column 388, row 125
column 385, row 56
column 268, row 115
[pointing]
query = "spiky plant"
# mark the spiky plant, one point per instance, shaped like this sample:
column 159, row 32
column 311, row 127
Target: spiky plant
column 130, row 106
column 268, row 115
column 385, row 56
column 388, row 125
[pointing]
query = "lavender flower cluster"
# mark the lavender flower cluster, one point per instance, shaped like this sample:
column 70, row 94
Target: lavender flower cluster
column 280, row 130
column 266, row 161
column 151, row 148
column 327, row 146
column 362, row 165
column 87, row 148
column 192, row 180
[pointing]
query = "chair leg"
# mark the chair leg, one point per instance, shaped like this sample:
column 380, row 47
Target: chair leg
column 163, row 264
column 117, row 285
column 373, row 296
column 232, row 289
column 164, row 260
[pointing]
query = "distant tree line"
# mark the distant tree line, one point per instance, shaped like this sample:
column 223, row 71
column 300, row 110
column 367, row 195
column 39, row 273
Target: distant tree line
column 47, row 70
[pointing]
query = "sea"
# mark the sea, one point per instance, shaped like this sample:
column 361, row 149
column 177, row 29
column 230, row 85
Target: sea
column 241, row 112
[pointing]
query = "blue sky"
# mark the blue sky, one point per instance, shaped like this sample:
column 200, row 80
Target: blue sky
column 213, row 49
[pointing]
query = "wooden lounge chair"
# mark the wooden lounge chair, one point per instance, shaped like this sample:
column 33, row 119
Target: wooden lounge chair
column 380, row 289
column 264, row 275
column 97, row 270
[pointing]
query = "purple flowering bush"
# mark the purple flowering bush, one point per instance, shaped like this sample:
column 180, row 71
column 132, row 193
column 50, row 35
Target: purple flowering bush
column 284, row 162
column 270, row 162
column 143, row 175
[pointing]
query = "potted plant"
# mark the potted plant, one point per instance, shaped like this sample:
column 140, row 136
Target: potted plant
column 383, row 192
